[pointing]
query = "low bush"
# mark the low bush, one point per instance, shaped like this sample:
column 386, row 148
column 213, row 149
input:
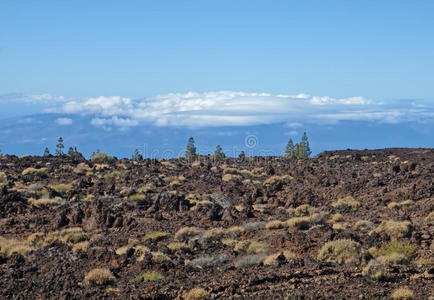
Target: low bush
column 394, row 229
column 99, row 276
column 149, row 276
column 155, row 236
column 102, row 158
column 403, row 294
column 347, row 202
column 407, row 250
column 186, row 233
column 340, row 251
column 196, row 294
column 9, row 246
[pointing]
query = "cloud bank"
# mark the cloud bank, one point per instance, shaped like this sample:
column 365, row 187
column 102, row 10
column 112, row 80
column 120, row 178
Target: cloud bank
column 228, row 108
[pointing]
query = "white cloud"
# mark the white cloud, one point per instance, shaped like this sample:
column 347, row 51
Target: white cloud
column 228, row 108
column 64, row 121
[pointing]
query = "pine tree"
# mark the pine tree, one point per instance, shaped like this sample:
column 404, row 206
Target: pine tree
column 59, row 147
column 190, row 153
column 218, row 154
column 242, row 155
column 290, row 150
column 306, row 147
column 137, row 155
column 70, row 151
column 299, row 150
column 46, row 151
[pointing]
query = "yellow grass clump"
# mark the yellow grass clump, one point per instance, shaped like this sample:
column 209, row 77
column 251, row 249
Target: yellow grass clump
column 9, row 246
column 149, row 276
column 347, row 202
column 402, row 294
column 394, row 229
column 155, row 236
column 99, row 276
column 340, row 251
column 186, row 233
column 196, row 294
column 33, row 171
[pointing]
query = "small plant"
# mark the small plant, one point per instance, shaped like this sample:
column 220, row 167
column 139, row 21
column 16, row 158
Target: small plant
column 33, row 171
column 348, row 202
column 403, row 293
column 99, row 276
column 276, row 224
column 136, row 197
column 196, row 294
column 114, row 175
column 101, row 158
column 9, row 246
column 395, row 247
column 305, row 210
column 394, row 229
column 62, row 188
column 159, row 257
column 340, row 251
column 149, row 276
column 177, row 246
column 257, row 247
column 186, row 233
column 44, row 202
column 214, row 234
column 80, row 247
column 155, row 236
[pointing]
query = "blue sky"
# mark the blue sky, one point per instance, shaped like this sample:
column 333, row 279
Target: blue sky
column 352, row 61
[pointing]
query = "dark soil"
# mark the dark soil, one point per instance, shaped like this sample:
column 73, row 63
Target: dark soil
column 127, row 200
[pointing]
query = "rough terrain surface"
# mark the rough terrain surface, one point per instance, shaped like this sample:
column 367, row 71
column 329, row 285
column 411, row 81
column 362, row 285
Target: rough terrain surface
column 341, row 225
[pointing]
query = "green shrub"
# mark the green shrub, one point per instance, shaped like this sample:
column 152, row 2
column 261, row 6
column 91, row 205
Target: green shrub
column 395, row 247
column 155, row 236
column 149, row 276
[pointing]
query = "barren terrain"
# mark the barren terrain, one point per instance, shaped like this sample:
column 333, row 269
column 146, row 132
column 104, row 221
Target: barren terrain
column 341, row 225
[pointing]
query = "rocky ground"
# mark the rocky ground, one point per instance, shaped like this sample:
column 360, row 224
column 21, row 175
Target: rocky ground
column 341, row 225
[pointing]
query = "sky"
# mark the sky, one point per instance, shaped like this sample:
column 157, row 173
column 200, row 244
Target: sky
column 231, row 68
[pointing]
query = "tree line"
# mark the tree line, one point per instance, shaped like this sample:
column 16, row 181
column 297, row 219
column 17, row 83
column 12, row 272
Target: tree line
column 298, row 150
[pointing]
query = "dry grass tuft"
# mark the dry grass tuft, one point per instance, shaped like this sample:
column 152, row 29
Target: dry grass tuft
column 276, row 224
column 156, row 236
column 33, row 171
column 9, row 246
column 178, row 246
column 305, row 210
column 348, row 202
column 340, row 251
column 137, row 197
column 44, row 202
column 99, row 276
column 186, row 233
column 402, row 293
column 394, row 229
column 214, row 234
column 80, row 247
column 196, row 294
column 149, row 276
column 159, row 257
column 62, row 188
